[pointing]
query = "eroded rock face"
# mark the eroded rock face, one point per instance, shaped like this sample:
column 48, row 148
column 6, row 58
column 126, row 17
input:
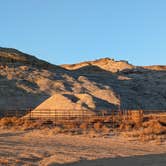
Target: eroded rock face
column 25, row 82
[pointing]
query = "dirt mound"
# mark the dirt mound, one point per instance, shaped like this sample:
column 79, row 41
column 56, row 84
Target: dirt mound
column 65, row 104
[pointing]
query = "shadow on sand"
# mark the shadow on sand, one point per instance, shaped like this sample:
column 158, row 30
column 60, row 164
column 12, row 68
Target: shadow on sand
column 146, row 160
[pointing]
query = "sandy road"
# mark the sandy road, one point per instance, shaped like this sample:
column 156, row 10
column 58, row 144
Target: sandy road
column 43, row 148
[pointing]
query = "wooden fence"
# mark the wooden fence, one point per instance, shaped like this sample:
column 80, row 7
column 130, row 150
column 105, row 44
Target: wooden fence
column 60, row 114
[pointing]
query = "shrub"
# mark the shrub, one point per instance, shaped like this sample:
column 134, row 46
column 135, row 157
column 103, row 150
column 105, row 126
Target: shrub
column 98, row 126
column 8, row 121
column 105, row 129
column 84, row 126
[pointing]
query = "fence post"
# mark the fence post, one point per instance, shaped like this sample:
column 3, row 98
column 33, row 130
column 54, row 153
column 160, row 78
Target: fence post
column 113, row 119
column 30, row 114
column 54, row 115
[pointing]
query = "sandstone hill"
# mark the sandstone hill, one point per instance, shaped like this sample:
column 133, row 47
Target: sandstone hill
column 25, row 82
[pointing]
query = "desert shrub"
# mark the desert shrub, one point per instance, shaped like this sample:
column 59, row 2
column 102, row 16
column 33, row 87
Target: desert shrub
column 31, row 125
column 154, row 127
column 105, row 129
column 92, row 133
column 133, row 134
column 70, row 125
column 95, row 119
column 98, row 126
column 8, row 121
column 107, row 119
column 126, row 125
column 56, row 130
column 23, row 123
column 160, row 139
column 150, row 130
column 84, row 126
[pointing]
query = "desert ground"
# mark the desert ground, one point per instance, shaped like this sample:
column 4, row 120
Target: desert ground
column 42, row 147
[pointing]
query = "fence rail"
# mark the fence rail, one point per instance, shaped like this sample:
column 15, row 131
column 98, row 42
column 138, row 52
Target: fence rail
column 75, row 114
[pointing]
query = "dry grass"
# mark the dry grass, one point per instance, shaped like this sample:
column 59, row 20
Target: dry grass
column 21, row 123
column 147, row 128
column 98, row 126
column 152, row 129
column 84, row 126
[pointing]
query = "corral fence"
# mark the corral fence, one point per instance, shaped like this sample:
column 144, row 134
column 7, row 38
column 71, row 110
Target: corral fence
column 78, row 115
column 54, row 114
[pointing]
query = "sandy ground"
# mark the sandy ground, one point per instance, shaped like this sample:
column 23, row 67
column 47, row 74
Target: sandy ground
column 32, row 148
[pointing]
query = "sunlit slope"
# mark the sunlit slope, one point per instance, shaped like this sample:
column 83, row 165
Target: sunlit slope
column 25, row 82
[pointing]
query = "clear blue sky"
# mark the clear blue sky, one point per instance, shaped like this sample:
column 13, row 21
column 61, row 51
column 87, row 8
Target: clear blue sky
column 70, row 31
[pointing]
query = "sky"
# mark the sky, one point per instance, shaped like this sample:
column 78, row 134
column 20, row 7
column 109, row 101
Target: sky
column 71, row 31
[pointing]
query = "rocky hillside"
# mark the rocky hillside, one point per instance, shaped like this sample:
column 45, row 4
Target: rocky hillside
column 25, row 82
column 104, row 63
